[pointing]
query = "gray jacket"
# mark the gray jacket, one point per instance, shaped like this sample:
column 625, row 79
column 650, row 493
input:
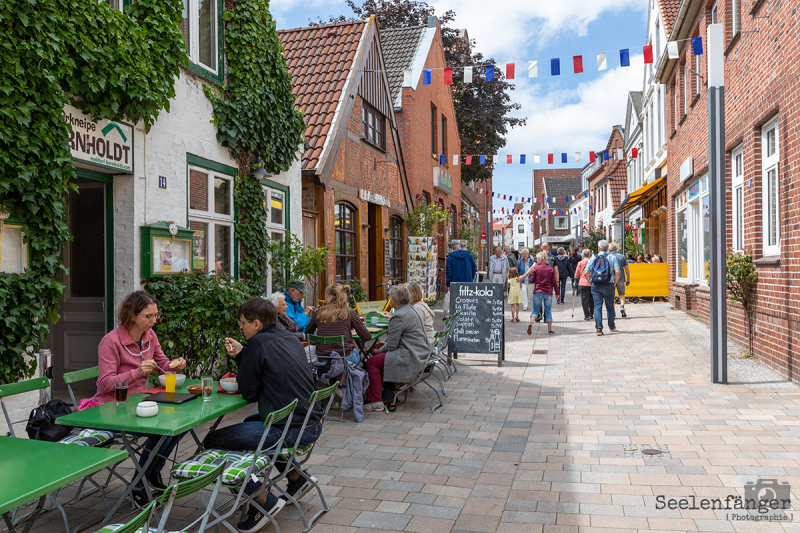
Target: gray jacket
column 406, row 346
column 503, row 266
column 354, row 387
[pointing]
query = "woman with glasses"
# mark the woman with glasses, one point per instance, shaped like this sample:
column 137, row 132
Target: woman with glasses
column 130, row 352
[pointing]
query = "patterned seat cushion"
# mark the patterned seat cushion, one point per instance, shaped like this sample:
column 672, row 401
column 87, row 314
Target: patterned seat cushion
column 285, row 452
column 113, row 527
column 207, row 460
column 88, row 437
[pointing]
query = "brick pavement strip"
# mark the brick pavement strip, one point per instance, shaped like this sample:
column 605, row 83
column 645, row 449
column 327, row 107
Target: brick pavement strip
column 539, row 445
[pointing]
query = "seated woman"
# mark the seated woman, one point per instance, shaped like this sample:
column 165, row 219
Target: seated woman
column 421, row 308
column 405, row 351
column 278, row 299
column 336, row 318
column 130, row 352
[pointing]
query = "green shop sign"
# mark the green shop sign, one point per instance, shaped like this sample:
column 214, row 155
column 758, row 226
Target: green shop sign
column 442, row 180
column 103, row 143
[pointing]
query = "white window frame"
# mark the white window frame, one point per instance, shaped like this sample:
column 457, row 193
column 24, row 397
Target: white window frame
column 737, row 184
column 697, row 80
column 215, row 219
column 194, row 31
column 714, row 13
column 682, row 207
column 274, row 227
column 686, row 84
column 736, row 19
column 117, row 4
column 564, row 223
column 770, row 163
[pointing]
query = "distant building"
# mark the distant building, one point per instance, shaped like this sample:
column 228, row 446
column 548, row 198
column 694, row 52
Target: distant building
column 555, row 227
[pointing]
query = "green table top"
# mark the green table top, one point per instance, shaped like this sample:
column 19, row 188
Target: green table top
column 35, row 468
column 170, row 420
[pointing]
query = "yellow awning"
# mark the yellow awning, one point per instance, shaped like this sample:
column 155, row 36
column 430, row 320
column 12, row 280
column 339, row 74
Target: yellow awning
column 639, row 196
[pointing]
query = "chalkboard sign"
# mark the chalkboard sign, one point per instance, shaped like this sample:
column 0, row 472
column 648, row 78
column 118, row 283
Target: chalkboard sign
column 480, row 326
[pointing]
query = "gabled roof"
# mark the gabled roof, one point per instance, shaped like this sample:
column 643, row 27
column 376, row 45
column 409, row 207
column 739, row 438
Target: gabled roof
column 399, row 48
column 669, row 11
column 320, row 59
column 636, row 101
column 561, row 188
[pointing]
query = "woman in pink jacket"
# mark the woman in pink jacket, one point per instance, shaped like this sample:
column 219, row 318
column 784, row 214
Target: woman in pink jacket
column 131, row 352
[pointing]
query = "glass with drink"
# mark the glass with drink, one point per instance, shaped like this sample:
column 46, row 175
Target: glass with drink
column 169, row 381
column 122, row 391
column 208, row 388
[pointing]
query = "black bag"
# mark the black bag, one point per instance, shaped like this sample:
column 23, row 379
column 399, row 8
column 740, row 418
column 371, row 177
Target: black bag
column 42, row 425
column 601, row 270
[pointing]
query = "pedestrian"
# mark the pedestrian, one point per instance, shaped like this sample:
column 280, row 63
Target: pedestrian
column 524, row 263
column 551, row 262
column 498, row 267
column 514, row 293
column 575, row 258
column 585, row 286
column 459, row 267
column 648, row 258
column 511, row 257
column 624, row 276
column 546, row 281
column 565, row 271
column 656, row 259
column 602, row 271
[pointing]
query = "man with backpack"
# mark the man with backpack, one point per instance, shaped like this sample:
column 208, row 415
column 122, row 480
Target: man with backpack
column 602, row 271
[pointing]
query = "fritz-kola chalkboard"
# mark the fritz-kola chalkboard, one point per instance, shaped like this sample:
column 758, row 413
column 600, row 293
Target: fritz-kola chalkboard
column 480, row 326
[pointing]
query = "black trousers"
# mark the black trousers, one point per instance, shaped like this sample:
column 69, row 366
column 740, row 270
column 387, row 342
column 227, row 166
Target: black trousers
column 587, row 302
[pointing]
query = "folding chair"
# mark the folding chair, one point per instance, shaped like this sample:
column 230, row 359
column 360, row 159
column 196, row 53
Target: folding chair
column 317, row 339
column 422, row 377
column 140, row 523
column 242, row 467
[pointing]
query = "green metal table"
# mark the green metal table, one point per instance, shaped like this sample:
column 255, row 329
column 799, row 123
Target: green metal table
column 362, row 345
column 171, row 420
column 36, row 468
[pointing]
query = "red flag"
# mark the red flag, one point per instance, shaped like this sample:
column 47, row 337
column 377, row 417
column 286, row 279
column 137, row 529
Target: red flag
column 509, row 73
column 634, row 152
column 509, row 158
column 550, row 159
column 591, row 156
column 504, row 197
column 469, row 159
column 577, row 62
column 502, row 209
column 448, row 76
column 648, row 53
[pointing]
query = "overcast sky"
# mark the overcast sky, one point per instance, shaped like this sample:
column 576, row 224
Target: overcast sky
column 568, row 113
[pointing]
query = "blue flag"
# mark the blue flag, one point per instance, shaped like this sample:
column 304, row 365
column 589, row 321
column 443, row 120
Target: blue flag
column 697, row 46
column 555, row 67
column 605, row 155
column 426, row 76
column 563, row 158
column 441, row 159
column 624, row 58
column 522, row 159
column 489, row 72
column 483, row 162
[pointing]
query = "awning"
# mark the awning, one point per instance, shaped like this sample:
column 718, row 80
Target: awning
column 639, row 196
column 554, row 239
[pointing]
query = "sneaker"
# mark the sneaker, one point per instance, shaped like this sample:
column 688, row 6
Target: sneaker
column 551, row 332
column 140, row 497
column 622, row 312
column 612, row 329
column 156, row 483
column 300, row 486
column 588, row 318
column 530, row 327
column 538, row 319
column 373, row 406
column 599, row 332
column 256, row 519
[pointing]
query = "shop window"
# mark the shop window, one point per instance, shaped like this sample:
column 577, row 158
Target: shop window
column 373, row 127
column 199, row 26
column 693, row 232
column 13, row 248
column 211, row 216
column 396, row 248
column 737, row 181
column 346, row 248
column 770, row 188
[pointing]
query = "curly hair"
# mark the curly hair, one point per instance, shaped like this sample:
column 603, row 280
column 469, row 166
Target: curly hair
column 132, row 305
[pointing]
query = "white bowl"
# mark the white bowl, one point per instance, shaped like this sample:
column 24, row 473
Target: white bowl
column 179, row 379
column 229, row 385
column 147, row 409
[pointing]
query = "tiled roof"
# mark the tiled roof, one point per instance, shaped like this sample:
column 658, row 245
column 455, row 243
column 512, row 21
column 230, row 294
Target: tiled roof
column 561, row 188
column 636, row 99
column 319, row 59
column 618, row 174
column 399, row 46
column 669, row 12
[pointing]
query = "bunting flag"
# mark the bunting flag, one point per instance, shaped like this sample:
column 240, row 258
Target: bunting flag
column 577, row 64
column 549, row 159
column 407, row 78
column 634, row 152
column 672, row 50
column 509, row 159
column 489, row 72
column 469, row 159
column 533, row 69
column 467, row 74
column 564, row 157
column 648, row 54
column 555, row 67
column 591, row 157
column 441, row 159
column 619, row 153
column 697, row 46
column 495, row 159
column 455, row 160
column 577, row 157
column 624, row 58
column 522, row 161
column 448, row 76
column 601, row 61
column 426, row 76
column 483, row 160
column 536, row 158
column 605, row 155
column 509, row 72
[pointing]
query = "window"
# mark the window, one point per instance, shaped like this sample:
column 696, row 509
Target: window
column 116, row 4
column 13, row 248
column 444, row 135
column 452, row 223
column 520, row 228
column 736, row 19
column 199, row 27
column 396, row 248
column 211, row 216
column 520, row 246
column 434, row 151
column 770, row 188
column 345, row 226
column 658, row 112
column 714, row 13
column 275, row 203
column 561, row 223
column 652, row 120
column 693, row 224
column 698, row 81
column 675, row 107
column 372, row 127
column 682, row 233
column 737, row 181
column 686, row 91
column 658, row 40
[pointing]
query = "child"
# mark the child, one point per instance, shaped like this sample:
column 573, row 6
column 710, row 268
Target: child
column 514, row 293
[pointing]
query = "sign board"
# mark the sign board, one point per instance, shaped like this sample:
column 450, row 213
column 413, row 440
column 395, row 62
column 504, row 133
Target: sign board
column 373, row 198
column 387, row 262
column 480, row 327
column 103, row 143
column 687, row 168
column 442, row 180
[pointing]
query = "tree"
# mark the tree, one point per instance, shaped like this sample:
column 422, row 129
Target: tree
column 630, row 246
column 289, row 259
column 595, row 234
column 483, row 108
column 741, row 278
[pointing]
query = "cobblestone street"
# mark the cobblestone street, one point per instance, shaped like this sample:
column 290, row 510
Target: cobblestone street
column 553, row 441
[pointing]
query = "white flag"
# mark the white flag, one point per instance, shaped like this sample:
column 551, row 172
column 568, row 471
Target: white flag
column 672, row 50
column 533, row 69
column 498, row 69
column 407, row 77
column 467, row 74
column 577, row 157
column 601, row 61
column 535, row 158
column 495, row 159
column 455, row 160
column 619, row 153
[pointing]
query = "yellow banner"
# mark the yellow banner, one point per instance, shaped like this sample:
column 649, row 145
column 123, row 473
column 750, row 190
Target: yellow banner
column 648, row 279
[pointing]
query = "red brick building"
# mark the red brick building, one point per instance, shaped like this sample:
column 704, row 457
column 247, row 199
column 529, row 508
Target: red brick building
column 608, row 183
column 355, row 189
column 762, row 119
column 539, row 175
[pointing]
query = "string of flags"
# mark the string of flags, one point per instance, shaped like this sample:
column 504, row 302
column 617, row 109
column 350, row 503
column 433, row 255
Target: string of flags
column 522, row 159
column 554, row 64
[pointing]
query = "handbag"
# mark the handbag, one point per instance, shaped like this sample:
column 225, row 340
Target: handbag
column 42, row 421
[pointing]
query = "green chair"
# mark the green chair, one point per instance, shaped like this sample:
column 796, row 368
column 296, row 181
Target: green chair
column 79, row 375
column 140, row 523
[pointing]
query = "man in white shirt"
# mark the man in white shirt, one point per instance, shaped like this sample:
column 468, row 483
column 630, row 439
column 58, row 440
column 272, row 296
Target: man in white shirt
column 498, row 268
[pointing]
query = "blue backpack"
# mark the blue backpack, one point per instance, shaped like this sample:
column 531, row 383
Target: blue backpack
column 601, row 270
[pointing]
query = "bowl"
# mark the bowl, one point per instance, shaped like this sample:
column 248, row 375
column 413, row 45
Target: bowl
column 147, row 409
column 179, row 379
column 229, row 384
column 195, row 389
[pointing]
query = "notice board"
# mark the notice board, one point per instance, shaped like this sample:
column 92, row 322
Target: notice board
column 480, row 328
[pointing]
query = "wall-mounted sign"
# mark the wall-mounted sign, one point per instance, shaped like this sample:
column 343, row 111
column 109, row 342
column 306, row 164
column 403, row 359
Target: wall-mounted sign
column 373, row 198
column 162, row 182
column 442, row 180
column 104, row 143
column 387, row 258
column 687, row 168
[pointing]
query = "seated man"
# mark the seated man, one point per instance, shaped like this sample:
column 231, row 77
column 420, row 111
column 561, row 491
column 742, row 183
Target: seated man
column 295, row 292
column 273, row 371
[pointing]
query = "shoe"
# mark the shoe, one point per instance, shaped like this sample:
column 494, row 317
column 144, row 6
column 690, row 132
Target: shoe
column 599, row 332
column 588, row 318
column 140, row 497
column 612, row 329
column 551, row 332
column 530, row 328
column 300, row 486
column 256, row 519
column 373, row 406
column 622, row 312
column 538, row 319
column 524, row 308
column 156, row 483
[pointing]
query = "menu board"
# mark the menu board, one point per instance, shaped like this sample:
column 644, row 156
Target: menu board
column 480, row 326
column 422, row 260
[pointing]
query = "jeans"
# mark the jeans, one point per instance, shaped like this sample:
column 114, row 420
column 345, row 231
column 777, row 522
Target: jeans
column 603, row 293
column 161, row 458
column 541, row 299
column 587, row 302
column 562, row 282
column 354, row 357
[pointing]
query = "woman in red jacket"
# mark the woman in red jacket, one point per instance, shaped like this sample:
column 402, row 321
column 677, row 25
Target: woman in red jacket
column 543, row 277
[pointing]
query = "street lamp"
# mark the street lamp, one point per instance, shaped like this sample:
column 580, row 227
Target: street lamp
column 260, row 172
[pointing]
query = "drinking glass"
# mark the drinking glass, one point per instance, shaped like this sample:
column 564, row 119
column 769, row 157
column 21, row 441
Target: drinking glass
column 121, row 385
column 208, row 388
column 169, row 381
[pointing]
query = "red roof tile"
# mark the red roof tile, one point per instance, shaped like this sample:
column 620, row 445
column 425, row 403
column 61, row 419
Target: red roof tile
column 669, row 12
column 319, row 58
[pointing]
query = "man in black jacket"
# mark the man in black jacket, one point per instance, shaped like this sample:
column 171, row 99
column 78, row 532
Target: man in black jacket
column 273, row 371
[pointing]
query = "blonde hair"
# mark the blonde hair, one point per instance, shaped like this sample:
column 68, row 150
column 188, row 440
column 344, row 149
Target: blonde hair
column 542, row 256
column 512, row 273
column 338, row 308
column 415, row 291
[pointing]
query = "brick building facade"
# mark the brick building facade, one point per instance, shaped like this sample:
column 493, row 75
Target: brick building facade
column 539, row 174
column 607, row 183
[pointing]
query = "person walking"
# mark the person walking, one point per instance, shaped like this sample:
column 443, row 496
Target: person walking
column 575, row 258
column 545, row 280
column 565, row 271
column 551, row 262
column 498, row 267
column 585, row 286
column 525, row 263
column 624, row 276
column 602, row 271
column 514, row 294
column 510, row 256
